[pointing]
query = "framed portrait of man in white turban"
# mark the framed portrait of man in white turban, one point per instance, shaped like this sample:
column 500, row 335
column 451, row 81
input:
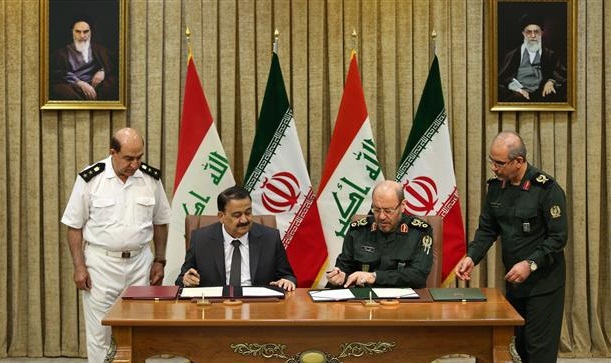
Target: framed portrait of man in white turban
column 83, row 55
column 532, row 63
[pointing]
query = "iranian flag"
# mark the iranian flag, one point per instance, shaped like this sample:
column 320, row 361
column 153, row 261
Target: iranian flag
column 202, row 170
column 279, row 183
column 427, row 172
column 351, row 168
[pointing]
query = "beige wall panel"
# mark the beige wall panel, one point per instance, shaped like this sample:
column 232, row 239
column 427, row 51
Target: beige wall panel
column 421, row 44
column 31, row 225
column 151, row 126
column 209, row 69
column 265, row 25
column 51, row 207
column 319, row 73
column 16, row 180
column 387, row 139
column 297, row 73
column 137, row 68
column 406, row 109
column 174, row 61
column 283, row 19
column 369, row 48
column 476, row 104
column 339, row 25
column 67, row 169
column 228, row 80
column 247, row 109
column 457, row 100
column 5, row 159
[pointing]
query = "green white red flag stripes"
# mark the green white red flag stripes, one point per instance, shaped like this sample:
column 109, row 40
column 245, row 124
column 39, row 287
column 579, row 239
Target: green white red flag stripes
column 351, row 168
column 202, row 169
column 426, row 171
column 278, row 180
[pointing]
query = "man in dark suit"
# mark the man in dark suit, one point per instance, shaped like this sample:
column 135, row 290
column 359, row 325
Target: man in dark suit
column 236, row 251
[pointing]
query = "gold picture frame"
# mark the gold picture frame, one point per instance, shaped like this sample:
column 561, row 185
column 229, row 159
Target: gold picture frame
column 102, row 63
column 548, row 74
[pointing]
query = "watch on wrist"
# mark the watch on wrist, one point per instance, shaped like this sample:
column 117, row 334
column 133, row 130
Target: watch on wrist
column 160, row 260
column 533, row 265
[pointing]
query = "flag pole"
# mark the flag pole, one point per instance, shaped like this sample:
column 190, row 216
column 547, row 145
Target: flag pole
column 353, row 40
column 275, row 45
column 188, row 36
column 433, row 44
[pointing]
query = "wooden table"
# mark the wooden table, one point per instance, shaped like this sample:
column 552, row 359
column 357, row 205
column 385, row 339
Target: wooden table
column 338, row 331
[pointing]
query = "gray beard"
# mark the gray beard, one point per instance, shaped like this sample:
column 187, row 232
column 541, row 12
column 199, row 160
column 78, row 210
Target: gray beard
column 83, row 48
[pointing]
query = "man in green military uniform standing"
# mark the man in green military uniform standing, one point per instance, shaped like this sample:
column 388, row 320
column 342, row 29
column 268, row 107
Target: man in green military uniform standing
column 527, row 209
column 389, row 249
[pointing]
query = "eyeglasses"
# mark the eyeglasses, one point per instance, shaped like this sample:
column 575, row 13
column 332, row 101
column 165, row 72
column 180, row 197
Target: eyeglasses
column 386, row 211
column 499, row 164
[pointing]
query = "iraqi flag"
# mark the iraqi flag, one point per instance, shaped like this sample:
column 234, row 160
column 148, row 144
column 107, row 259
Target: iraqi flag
column 279, row 183
column 202, row 170
column 351, row 168
column 427, row 172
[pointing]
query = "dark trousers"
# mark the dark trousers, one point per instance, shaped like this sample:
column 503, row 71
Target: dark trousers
column 537, row 341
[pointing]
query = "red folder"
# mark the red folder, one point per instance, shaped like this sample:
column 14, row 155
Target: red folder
column 151, row 292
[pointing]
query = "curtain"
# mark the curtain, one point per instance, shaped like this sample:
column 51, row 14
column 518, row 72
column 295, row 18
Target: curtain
column 41, row 313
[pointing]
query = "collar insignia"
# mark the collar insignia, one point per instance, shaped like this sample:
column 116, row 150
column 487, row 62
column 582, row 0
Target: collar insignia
column 149, row 170
column 92, row 171
column 427, row 243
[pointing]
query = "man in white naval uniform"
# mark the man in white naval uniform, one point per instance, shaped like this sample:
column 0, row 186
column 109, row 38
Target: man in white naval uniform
column 116, row 208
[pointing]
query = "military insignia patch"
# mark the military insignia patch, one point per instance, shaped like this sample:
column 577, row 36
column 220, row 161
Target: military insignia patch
column 427, row 243
column 360, row 223
column 542, row 180
column 555, row 211
column 149, row 170
column 404, row 228
column 89, row 173
column 419, row 224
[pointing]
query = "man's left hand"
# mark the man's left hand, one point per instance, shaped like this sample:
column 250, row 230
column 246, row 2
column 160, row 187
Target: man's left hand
column 156, row 276
column 287, row 285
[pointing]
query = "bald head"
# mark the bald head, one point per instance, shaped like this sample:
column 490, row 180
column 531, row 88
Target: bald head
column 512, row 142
column 386, row 204
column 388, row 188
column 126, row 136
column 126, row 149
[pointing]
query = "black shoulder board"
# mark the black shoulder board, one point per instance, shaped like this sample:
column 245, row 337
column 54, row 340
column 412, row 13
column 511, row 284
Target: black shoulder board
column 492, row 180
column 542, row 180
column 92, row 171
column 360, row 223
column 418, row 224
column 155, row 173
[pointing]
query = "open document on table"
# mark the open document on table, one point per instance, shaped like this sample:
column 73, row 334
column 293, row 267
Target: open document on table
column 357, row 293
column 231, row 292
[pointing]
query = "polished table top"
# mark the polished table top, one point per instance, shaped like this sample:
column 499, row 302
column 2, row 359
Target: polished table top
column 298, row 309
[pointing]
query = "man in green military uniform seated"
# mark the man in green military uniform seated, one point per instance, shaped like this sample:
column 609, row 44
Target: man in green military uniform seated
column 388, row 249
